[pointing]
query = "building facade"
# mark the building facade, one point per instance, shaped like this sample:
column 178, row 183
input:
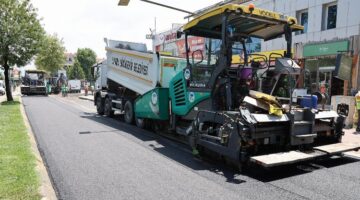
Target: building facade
column 328, row 45
column 323, row 20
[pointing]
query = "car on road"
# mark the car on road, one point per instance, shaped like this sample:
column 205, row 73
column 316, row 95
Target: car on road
column 74, row 86
column 2, row 88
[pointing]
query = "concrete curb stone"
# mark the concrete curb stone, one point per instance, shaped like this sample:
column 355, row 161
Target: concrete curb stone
column 46, row 189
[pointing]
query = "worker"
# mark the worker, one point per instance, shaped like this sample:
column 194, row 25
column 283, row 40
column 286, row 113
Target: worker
column 64, row 90
column 357, row 99
column 86, row 88
column 48, row 87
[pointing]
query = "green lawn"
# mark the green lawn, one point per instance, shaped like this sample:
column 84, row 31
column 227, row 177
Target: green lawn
column 18, row 178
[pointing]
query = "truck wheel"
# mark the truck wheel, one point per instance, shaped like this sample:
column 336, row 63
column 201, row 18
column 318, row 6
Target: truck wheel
column 108, row 108
column 99, row 105
column 129, row 112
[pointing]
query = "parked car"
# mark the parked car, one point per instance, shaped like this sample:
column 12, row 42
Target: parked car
column 2, row 88
column 74, row 86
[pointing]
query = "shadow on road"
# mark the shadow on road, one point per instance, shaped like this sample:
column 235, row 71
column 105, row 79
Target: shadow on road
column 181, row 153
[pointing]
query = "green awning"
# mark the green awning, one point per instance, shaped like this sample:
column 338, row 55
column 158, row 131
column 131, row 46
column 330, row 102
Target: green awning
column 324, row 49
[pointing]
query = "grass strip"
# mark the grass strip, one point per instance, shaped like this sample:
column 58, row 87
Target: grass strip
column 18, row 178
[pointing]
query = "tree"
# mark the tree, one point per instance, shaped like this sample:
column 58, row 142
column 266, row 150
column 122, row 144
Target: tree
column 87, row 58
column 75, row 71
column 20, row 36
column 51, row 57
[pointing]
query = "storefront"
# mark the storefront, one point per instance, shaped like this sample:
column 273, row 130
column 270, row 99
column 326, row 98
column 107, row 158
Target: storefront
column 328, row 67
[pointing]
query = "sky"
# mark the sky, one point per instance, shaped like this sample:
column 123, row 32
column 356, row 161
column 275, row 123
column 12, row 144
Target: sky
column 85, row 23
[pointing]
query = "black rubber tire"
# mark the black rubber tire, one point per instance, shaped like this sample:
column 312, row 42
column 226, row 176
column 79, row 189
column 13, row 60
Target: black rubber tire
column 108, row 108
column 99, row 105
column 129, row 112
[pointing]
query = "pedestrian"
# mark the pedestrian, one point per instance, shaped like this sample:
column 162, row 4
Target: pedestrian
column 92, row 89
column 357, row 99
column 86, row 89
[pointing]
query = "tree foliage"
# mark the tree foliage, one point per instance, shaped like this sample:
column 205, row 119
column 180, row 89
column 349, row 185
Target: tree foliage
column 86, row 58
column 20, row 35
column 76, row 71
column 52, row 54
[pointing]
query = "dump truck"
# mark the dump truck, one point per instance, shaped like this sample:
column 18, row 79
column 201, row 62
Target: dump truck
column 248, row 112
column 34, row 83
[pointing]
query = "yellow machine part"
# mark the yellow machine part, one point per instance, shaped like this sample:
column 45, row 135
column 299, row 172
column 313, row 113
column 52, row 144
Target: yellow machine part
column 274, row 105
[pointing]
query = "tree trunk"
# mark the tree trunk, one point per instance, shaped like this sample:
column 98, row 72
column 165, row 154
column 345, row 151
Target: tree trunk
column 7, row 82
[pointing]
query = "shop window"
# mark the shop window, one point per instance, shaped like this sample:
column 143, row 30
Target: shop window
column 303, row 19
column 320, row 76
column 329, row 16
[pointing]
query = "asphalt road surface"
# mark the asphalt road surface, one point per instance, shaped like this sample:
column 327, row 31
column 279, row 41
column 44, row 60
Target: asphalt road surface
column 94, row 157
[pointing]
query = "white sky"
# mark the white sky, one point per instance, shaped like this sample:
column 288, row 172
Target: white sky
column 85, row 23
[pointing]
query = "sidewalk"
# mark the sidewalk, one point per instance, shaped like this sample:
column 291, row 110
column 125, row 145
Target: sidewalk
column 351, row 136
column 15, row 94
column 88, row 97
column 2, row 98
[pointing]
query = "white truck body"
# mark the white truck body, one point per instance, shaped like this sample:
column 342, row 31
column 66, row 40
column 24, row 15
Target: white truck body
column 135, row 69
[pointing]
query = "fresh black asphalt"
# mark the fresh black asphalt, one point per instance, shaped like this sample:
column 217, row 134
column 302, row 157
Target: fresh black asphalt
column 94, row 157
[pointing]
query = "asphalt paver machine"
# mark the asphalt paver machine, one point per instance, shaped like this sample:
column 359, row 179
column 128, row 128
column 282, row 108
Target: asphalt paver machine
column 244, row 112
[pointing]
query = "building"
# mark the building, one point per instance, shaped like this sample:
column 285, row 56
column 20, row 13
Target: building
column 70, row 59
column 329, row 43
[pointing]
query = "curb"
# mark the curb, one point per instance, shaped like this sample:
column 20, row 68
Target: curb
column 86, row 98
column 46, row 189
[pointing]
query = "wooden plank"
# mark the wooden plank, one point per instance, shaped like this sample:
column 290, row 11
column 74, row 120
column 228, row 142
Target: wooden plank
column 352, row 154
column 284, row 158
column 338, row 148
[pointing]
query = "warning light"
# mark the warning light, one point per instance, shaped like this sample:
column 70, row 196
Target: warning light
column 251, row 7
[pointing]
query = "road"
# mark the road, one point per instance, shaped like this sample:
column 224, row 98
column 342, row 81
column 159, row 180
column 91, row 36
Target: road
column 94, row 157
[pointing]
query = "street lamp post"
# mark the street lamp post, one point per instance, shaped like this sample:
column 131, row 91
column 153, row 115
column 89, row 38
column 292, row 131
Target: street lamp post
column 126, row 2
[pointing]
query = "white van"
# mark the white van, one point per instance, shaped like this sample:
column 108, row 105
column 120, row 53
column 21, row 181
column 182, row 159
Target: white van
column 74, row 86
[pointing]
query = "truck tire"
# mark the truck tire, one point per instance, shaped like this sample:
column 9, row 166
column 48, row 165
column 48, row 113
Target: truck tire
column 99, row 105
column 108, row 108
column 129, row 112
